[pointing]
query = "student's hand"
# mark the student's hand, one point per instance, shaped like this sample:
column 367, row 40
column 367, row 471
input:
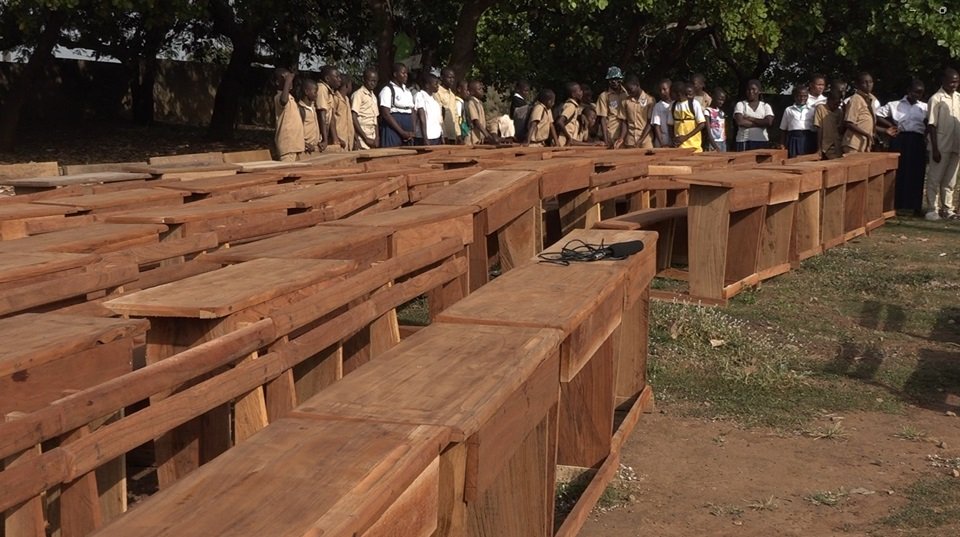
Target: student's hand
column 618, row 144
column 892, row 132
column 338, row 141
column 936, row 154
column 677, row 141
column 322, row 146
column 311, row 148
column 288, row 76
column 373, row 144
column 406, row 135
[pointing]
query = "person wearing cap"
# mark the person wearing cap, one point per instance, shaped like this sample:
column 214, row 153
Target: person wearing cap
column 610, row 107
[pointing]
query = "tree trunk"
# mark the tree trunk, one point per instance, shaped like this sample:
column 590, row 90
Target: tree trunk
column 226, row 105
column 383, row 23
column 462, row 53
column 23, row 85
column 141, row 90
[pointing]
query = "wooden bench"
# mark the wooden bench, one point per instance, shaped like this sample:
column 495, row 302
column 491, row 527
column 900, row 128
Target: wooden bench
column 222, row 186
column 252, row 155
column 668, row 222
column 28, row 185
column 806, row 241
column 24, row 219
column 122, row 200
column 507, row 205
column 495, row 389
column 881, row 187
column 185, row 171
column 95, row 238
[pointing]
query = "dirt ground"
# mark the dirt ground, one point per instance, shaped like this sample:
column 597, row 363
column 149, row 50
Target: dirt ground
column 829, row 408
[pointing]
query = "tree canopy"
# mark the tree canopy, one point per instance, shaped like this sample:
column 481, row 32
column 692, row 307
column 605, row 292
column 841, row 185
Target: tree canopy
column 547, row 42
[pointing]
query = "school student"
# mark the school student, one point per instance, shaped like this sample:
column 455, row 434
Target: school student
column 717, row 121
column 447, row 97
column 859, row 117
column 637, row 111
column 661, row 112
column 326, row 100
column 943, row 119
column 289, row 134
column 699, row 90
column 794, row 123
column 815, row 97
column 520, row 108
column 686, row 120
column 363, row 105
column 588, row 132
column 829, row 139
column 609, row 108
column 753, row 117
column 396, row 110
column 308, row 114
column 905, row 121
column 540, row 128
column 473, row 109
column 462, row 95
column 429, row 113
column 567, row 124
column 343, row 117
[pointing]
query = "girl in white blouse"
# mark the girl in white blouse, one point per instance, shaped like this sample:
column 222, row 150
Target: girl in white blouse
column 752, row 117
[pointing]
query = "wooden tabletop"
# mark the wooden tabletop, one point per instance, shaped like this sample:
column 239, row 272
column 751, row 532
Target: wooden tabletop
column 209, row 185
column 94, row 238
column 410, row 383
column 139, row 196
column 17, row 211
column 21, row 265
column 161, row 169
column 310, row 243
column 42, row 337
column 193, row 212
column 75, row 179
column 296, row 477
column 483, row 189
column 323, row 194
column 406, row 217
column 221, row 292
column 261, row 165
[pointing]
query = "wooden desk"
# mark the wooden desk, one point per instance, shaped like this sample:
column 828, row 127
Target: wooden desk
column 231, row 221
column 211, row 186
column 41, row 184
column 495, row 389
column 22, row 219
column 362, row 244
column 122, row 200
column 505, row 224
column 95, row 238
column 834, row 176
column 188, row 312
column 24, row 268
column 339, row 199
column 185, row 171
column 805, row 241
column 668, row 222
column 304, row 477
column 855, row 198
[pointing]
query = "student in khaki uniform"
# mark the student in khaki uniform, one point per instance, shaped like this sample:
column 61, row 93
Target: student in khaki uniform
column 943, row 120
column 289, row 135
column 609, row 108
column 568, row 124
column 447, row 97
column 859, row 117
column 540, row 128
column 365, row 111
column 637, row 110
column 329, row 82
column 474, row 112
column 343, row 117
column 700, row 91
column 311, row 129
column 831, row 119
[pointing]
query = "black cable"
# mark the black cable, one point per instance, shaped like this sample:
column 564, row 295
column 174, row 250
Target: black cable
column 584, row 253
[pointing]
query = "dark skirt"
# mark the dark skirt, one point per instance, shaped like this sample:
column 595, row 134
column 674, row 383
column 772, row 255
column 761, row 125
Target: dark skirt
column 390, row 137
column 908, row 193
column 428, row 141
column 797, row 143
column 750, row 146
column 813, row 145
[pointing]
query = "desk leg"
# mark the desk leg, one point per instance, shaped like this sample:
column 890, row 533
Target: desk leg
column 25, row 520
column 586, row 411
column 632, row 353
column 478, row 255
column 517, row 241
column 708, row 223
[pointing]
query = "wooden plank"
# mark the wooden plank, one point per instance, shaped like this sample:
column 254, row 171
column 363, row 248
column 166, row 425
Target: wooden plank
column 230, row 289
column 26, row 519
column 94, row 238
column 79, row 502
column 362, row 244
column 28, row 169
column 415, row 512
column 708, row 220
column 192, row 159
column 16, row 267
column 120, row 200
column 77, row 169
column 237, row 157
column 586, row 411
column 776, row 236
column 743, row 244
column 56, row 181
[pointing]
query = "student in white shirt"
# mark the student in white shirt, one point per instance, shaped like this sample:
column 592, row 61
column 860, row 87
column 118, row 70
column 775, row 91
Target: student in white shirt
column 752, row 117
column 794, row 124
column 943, row 118
column 661, row 114
column 816, row 97
column 396, row 110
column 906, row 122
column 429, row 113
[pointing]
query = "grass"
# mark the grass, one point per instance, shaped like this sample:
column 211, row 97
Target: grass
column 909, row 433
column 768, row 504
column 834, row 432
column 721, row 510
column 828, row 498
column 870, row 326
column 932, row 502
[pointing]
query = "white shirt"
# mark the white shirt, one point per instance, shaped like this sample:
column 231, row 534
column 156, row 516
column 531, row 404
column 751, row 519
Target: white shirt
column 908, row 117
column 396, row 98
column 660, row 118
column 433, row 114
column 752, row 134
column 812, row 104
column 797, row 118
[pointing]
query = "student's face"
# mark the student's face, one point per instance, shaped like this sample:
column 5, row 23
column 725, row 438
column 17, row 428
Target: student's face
column 335, row 79
column 753, row 92
column 346, row 87
column 698, row 84
column 665, row 91
column 833, row 104
column 400, row 76
column 915, row 94
column 370, row 80
column 550, row 101
column 524, row 90
column 633, row 90
column 448, row 78
column 310, row 92
column 576, row 92
column 615, row 84
column 950, row 83
column 462, row 90
column 690, row 92
column 590, row 117
column 865, row 84
column 801, row 97
column 477, row 90
column 433, row 85
column 817, row 85
column 719, row 99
